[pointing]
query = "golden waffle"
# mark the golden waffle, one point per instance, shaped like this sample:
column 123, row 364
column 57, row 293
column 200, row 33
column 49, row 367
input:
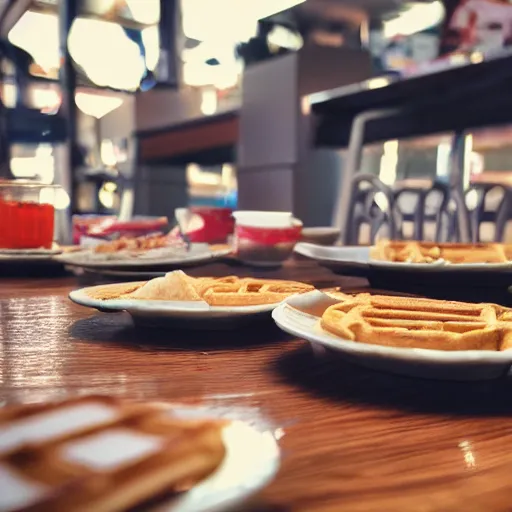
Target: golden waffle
column 420, row 323
column 140, row 243
column 100, row 454
column 251, row 292
column 222, row 291
column 429, row 252
column 114, row 291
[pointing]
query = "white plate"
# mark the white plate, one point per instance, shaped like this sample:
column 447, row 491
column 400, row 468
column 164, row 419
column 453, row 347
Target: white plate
column 24, row 256
column 441, row 266
column 162, row 310
column 251, row 461
column 352, row 254
column 29, row 252
column 351, row 260
column 82, row 259
column 436, row 364
column 340, row 258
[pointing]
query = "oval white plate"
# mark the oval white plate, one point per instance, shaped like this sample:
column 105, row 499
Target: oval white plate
column 437, row 364
column 152, row 309
column 251, row 461
column 30, row 252
column 24, row 256
column 442, row 266
column 80, row 259
column 344, row 260
column 352, row 255
column 360, row 257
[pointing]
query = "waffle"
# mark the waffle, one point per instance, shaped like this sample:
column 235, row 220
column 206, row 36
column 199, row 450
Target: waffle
column 222, row 291
column 114, row 291
column 100, row 454
column 137, row 244
column 429, row 252
column 420, row 323
column 251, row 292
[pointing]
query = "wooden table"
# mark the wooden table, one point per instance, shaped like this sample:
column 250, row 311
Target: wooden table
column 352, row 439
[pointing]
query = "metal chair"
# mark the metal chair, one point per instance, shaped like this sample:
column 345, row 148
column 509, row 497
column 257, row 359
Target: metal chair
column 489, row 203
column 372, row 203
column 421, row 206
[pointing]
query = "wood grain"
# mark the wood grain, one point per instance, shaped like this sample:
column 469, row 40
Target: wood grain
column 352, row 439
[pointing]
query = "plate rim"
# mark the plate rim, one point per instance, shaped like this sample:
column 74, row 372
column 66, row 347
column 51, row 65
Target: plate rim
column 441, row 267
column 266, row 463
column 30, row 252
column 303, row 248
column 306, row 248
column 70, row 259
column 140, row 306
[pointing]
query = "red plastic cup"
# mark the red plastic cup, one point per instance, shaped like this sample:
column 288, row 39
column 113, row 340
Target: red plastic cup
column 210, row 224
column 268, row 245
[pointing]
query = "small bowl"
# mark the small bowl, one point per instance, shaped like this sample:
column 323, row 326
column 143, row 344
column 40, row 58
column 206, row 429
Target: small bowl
column 268, row 244
column 320, row 235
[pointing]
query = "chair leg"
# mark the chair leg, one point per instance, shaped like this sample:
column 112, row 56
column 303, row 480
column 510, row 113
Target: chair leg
column 458, row 168
column 355, row 148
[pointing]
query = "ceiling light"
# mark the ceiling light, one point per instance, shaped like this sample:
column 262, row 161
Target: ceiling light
column 97, row 105
column 144, row 11
column 109, row 58
column 209, row 102
column 285, row 38
column 228, row 19
column 416, row 18
column 38, row 34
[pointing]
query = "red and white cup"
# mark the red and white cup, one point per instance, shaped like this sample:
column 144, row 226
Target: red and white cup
column 265, row 238
column 204, row 224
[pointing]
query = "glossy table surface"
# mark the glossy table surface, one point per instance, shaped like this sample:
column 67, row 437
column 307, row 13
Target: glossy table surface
column 351, row 439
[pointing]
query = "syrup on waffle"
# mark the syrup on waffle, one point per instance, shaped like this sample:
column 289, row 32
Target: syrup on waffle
column 223, row 291
column 101, row 454
column 429, row 252
column 420, row 323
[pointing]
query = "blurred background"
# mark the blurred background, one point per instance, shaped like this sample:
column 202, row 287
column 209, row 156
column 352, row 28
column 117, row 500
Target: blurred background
column 143, row 106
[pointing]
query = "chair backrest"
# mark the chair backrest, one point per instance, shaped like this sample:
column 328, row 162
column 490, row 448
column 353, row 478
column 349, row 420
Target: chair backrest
column 372, row 203
column 489, row 203
column 419, row 206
